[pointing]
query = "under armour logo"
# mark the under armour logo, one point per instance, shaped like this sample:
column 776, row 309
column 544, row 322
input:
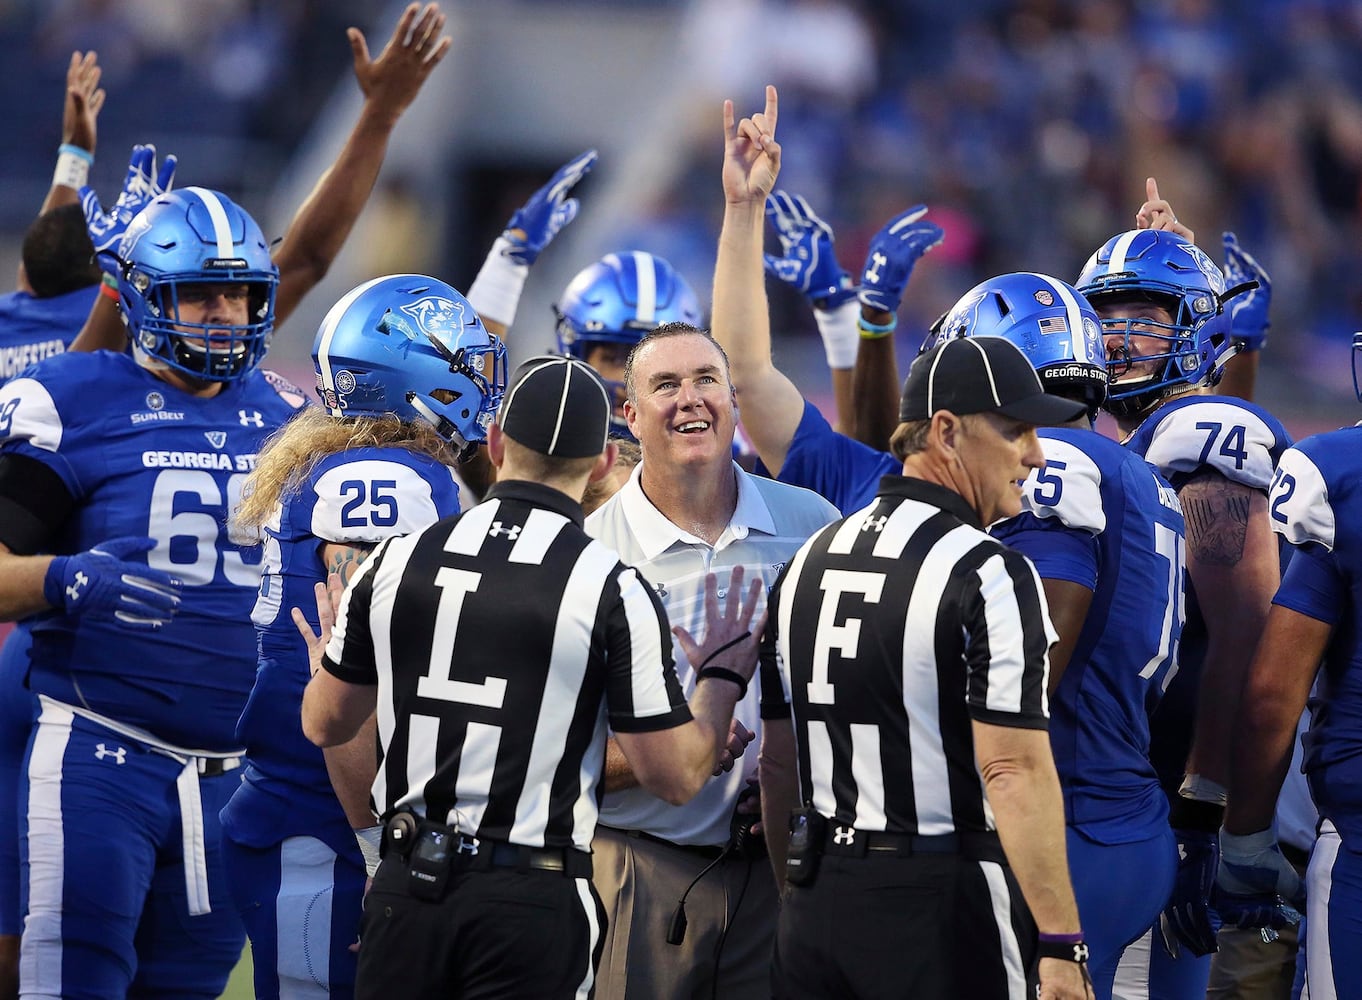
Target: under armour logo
column 251, row 419
column 1081, row 953
column 661, row 589
column 73, row 591
column 498, row 529
column 844, row 835
column 101, row 751
column 468, row 846
column 877, row 261
column 875, row 524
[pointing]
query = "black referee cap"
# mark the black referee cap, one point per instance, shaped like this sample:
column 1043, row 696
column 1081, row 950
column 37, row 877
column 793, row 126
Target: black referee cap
column 981, row 375
column 558, row 407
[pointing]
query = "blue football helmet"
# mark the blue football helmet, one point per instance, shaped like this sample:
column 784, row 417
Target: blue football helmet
column 618, row 300
column 195, row 236
column 412, row 346
column 1161, row 268
column 1052, row 324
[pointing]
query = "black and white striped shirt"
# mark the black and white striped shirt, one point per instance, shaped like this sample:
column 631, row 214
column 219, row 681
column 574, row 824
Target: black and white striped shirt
column 498, row 640
column 889, row 632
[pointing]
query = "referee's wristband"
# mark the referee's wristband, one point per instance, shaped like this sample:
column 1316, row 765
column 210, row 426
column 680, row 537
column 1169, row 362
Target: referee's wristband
column 724, row 674
column 1065, row 947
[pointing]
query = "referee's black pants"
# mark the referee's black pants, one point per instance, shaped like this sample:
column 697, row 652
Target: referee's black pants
column 926, row 926
column 499, row 933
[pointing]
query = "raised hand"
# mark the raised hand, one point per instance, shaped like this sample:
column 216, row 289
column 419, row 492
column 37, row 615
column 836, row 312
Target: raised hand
column 84, row 99
column 1189, row 921
column 1156, row 213
column 537, row 222
column 894, row 251
column 392, row 81
column 1248, row 310
column 103, row 584
column 328, row 598
column 807, row 262
column 141, row 185
column 751, row 153
column 731, row 635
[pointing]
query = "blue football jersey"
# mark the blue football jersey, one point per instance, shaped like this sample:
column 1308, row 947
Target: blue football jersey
column 1316, row 506
column 32, row 329
column 355, row 497
column 842, row 470
column 1243, row 442
column 1099, row 516
column 140, row 457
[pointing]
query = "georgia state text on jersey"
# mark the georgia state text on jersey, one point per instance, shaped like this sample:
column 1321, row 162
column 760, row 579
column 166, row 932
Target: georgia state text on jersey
column 1243, row 443
column 1101, row 517
column 139, row 457
column 32, row 329
column 1316, row 505
column 356, row 497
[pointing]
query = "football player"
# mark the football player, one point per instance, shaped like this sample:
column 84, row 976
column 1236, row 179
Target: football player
column 409, row 380
column 1167, row 333
column 1106, row 534
column 1310, row 644
column 134, row 752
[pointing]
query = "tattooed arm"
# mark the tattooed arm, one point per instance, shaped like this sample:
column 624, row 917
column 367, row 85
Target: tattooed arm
column 1233, row 566
column 352, row 765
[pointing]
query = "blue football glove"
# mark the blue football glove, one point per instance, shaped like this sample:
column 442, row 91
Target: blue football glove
column 1265, row 912
column 894, row 250
column 1248, row 310
column 141, row 185
column 549, row 209
column 103, row 584
column 1189, row 921
column 807, row 262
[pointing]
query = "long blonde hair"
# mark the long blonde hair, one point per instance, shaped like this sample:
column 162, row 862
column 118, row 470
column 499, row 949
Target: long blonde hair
column 293, row 451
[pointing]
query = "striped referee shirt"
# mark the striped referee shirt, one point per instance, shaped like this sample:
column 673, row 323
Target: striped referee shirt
column 890, row 631
column 499, row 641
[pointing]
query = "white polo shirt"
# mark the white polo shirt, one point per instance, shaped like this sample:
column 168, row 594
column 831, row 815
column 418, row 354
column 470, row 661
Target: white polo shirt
column 771, row 521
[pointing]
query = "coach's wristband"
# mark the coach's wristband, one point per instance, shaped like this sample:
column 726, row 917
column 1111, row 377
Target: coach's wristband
column 724, row 674
column 1065, row 947
column 73, row 166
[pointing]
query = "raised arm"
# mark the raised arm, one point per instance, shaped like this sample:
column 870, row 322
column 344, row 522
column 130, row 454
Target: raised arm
column 1248, row 319
column 770, row 403
column 390, row 83
column 80, row 112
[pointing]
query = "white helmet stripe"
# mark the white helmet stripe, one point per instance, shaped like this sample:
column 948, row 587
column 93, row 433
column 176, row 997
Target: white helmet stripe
column 646, row 268
column 222, row 229
column 1118, row 252
column 327, row 333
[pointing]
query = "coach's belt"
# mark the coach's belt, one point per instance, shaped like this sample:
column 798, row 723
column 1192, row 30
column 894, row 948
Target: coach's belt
column 850, row 842
column 212, row 767
column 706, row 851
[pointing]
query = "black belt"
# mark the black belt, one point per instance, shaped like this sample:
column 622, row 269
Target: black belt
column 213, row 767
column 473, row 854
column 706, row 851
column 847, row 841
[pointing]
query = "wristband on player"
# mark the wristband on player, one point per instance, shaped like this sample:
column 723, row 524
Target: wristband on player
column 1202, row 789
column 495, row 292
column 108, row 287
column 368, row 839
column 73, row 166
column 874, row 331
column 837, row 328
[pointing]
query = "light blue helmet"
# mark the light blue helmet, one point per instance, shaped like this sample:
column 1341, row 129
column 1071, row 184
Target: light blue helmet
column 620, row 298
column 411, row 346
column 1052, row 324
column 195, row 236
column 1161, row 268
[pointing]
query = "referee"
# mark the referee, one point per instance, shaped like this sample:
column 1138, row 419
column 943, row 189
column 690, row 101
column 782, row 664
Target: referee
column 497, row 646
column 904, row 674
